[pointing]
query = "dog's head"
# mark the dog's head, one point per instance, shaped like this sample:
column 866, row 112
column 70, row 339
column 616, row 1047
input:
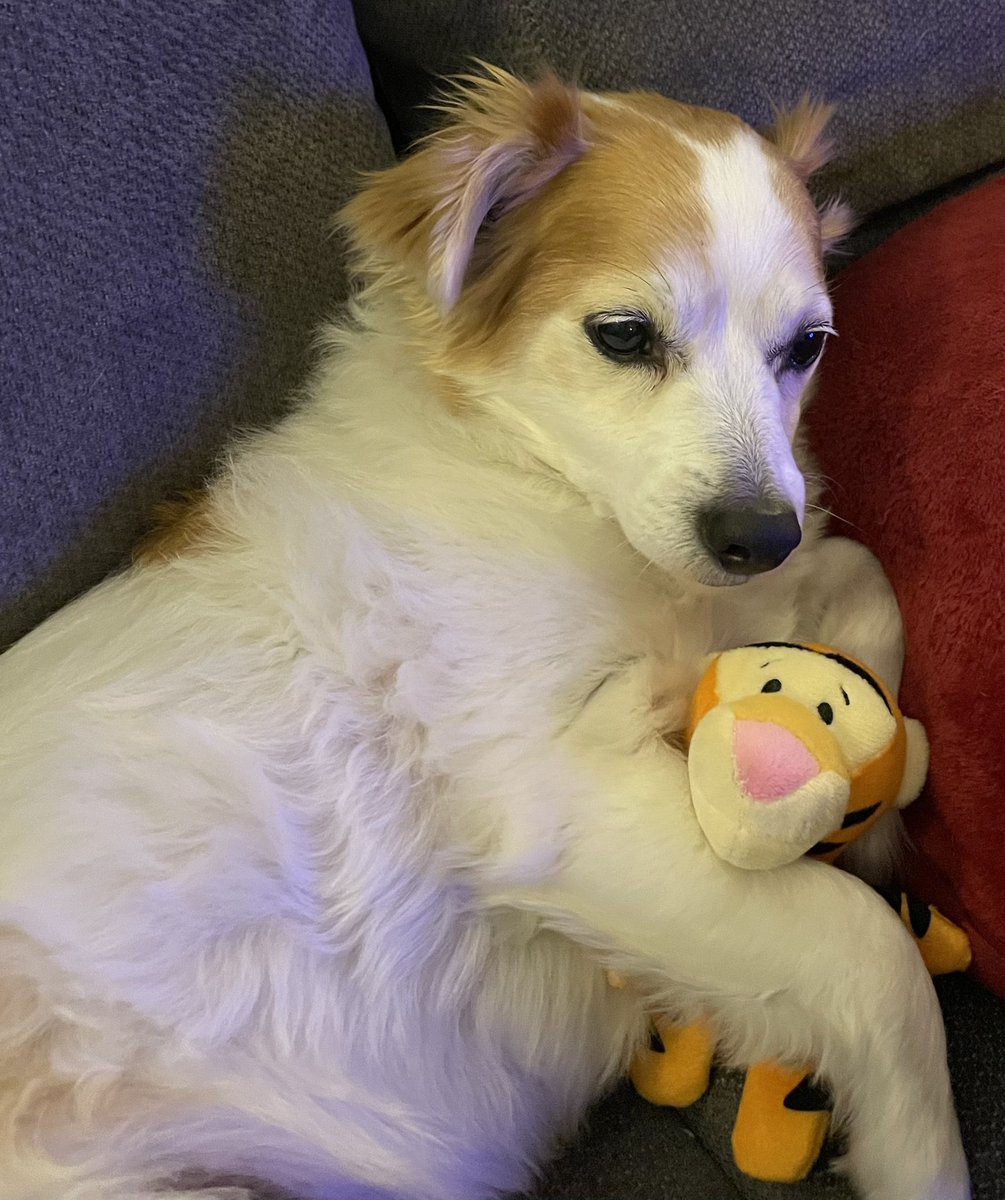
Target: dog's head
column 631, row 290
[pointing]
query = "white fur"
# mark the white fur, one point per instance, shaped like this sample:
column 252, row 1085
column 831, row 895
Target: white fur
column 314, row 844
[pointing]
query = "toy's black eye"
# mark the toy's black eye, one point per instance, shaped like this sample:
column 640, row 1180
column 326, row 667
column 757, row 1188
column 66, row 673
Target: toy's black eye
column 623, row 339
column 773, row 685
column 826, row 712
column 806, row 349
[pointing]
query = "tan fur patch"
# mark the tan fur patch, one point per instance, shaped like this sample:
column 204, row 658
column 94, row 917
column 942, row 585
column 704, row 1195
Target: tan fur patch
column 800, row 133
column 803, row 145
column 179, row 526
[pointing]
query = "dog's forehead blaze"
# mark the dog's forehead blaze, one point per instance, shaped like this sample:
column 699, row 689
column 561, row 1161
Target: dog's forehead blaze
column 625, row 210
column 793, row 194
column 634, row 199
column 640, row 193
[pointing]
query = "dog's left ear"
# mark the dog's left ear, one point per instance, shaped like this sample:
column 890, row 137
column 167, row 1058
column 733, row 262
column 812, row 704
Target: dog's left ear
column 801, row 135
column 504, row 140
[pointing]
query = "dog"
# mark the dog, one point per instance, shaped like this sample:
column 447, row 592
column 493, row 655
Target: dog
column 323, row 823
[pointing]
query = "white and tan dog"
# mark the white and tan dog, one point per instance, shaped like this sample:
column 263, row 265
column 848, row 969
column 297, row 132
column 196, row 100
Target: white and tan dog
column 320, row 825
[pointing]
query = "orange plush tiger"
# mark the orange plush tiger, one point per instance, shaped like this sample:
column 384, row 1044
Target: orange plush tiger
column 792, row 749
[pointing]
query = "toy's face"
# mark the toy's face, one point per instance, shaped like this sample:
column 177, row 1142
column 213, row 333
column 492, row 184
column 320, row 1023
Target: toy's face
column 848, row 704
column 793, row 750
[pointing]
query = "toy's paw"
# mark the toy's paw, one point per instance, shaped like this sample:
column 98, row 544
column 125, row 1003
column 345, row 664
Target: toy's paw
column 781, row 1124
column 673, row 1070
column 944, row 947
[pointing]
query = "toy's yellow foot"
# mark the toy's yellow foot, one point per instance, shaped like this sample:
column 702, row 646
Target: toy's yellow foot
column 944, row 946
column 781, row 1124
column 674, row 1069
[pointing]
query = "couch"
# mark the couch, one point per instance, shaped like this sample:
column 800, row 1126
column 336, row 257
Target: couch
column 170, row 171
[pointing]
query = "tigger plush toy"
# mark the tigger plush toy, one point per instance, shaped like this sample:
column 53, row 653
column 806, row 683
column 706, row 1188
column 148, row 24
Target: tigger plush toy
column 792, row 749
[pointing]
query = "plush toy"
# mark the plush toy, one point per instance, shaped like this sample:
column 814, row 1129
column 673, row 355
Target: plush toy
column 792, row 749
column 795, row 749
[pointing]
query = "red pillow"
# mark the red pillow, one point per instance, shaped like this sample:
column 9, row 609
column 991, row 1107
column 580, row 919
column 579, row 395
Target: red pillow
column 909, row 426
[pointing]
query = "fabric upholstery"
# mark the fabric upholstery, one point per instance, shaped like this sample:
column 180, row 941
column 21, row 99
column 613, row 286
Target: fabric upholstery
column 630, row 1150
column 910, row 426
column 168, row 172
column 920, row 86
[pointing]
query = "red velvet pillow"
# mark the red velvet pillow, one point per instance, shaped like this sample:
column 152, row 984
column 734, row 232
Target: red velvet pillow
column 909, row 426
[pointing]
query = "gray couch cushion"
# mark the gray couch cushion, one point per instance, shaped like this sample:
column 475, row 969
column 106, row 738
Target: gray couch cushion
column 169, row 172
column 921, row 86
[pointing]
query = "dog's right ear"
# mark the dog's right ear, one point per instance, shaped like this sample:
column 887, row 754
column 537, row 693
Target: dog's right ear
column 801, row 135
column 503, row 141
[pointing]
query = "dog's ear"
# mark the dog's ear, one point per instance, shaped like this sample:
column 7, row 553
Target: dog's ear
column 504, row 139
column 801, row 135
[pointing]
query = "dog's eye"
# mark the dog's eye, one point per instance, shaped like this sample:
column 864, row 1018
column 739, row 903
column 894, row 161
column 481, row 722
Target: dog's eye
column 806, row 349
column 622, row 339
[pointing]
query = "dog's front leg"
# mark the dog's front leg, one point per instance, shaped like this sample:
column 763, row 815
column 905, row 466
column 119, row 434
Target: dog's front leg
column 801, row 963
column 847, row 602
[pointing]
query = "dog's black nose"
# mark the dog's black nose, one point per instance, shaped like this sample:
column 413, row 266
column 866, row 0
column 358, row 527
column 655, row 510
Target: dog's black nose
column 746, row 539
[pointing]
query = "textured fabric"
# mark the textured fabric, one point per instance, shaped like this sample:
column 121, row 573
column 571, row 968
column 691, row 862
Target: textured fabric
column 975, row 1035
column 910, row 424
column 630, row 1150
column 168, row 174
column 920, row 83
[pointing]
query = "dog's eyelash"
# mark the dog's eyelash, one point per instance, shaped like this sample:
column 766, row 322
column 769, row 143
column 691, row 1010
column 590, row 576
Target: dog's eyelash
column 664, row 353
column 780, row 348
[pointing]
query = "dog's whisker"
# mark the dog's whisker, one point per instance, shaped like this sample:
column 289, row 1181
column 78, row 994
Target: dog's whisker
column 829, row 512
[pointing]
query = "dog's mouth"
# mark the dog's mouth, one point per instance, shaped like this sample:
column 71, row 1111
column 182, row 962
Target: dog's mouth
column 709, row 574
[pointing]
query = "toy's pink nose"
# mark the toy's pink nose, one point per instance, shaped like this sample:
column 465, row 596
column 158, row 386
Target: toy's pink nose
column 770, row 761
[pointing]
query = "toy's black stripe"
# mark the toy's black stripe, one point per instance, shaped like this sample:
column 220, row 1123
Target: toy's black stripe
column 918, row 913
column 920, row 916
column 858, row 816
column 855, row 669
column 808, row 1096
column 826, row 847
column 851, row 820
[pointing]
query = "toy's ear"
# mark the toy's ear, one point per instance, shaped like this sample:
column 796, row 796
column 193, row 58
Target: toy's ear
column 915, row 763
column 707, row 695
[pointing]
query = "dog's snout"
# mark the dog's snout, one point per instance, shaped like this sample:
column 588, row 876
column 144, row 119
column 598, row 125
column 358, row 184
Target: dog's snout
column 749, row 538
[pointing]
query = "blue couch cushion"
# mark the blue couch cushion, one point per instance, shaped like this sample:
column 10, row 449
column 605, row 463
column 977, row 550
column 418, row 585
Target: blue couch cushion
column 169, row 172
